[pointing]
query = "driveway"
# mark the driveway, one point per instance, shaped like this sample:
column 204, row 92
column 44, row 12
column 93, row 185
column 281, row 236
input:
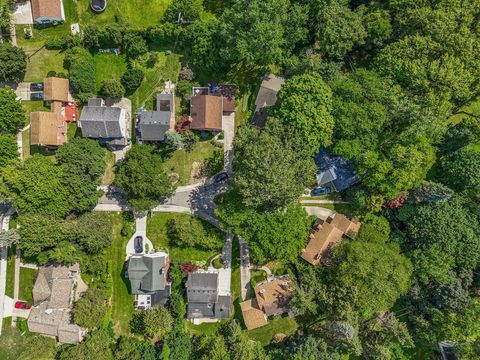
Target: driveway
column 319, row 212
column 245, row 275
column 23, row 91
column 22, row 13
column 228, row 127
column 5, row 304
column 141, row 231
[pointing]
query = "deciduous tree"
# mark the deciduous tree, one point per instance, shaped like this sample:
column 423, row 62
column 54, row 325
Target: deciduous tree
column 8, row 149
column 13, row 63
column 12, row 115
column 90, row 309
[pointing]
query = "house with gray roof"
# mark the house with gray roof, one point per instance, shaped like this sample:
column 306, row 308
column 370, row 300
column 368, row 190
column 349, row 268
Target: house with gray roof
column 147, row 274
column 334, row 172
column 54, row 291
column 206, row 299
column 105, row 123
column 152, row 125
column 266, row 97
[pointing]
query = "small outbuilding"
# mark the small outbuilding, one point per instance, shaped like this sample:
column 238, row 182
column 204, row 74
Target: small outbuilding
column 47, row 11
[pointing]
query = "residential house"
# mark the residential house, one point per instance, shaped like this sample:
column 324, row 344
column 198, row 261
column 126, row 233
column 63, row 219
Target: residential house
column 209, row 106
column 266, row 97
column 47, row 11
column 149, row 283
column 105, row 123
column 253, row 317
column 54, row 291
column 207, row 300
column 152, row 125
column 325, row 234
column 55, row 89
column 334, row 172
column 273, row 295
column 47, row 129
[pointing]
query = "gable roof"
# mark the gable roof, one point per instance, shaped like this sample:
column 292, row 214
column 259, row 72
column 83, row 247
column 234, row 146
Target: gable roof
column 335, row 170
column 146, row 273
column 101, row 122
column 54, row 285
column 51, row 9
column 325, row 234
column 253, row 317
column 206, row 112
column 153, row 125
column 47, row 128
column 273, row 295
column 267, row 94
column 55, row 89
column 202, row 287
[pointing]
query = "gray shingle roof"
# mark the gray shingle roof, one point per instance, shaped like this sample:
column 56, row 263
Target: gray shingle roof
column 161, row 100
column 153, row 125
column 101, row 122
column 203, row 298
column 146, row 274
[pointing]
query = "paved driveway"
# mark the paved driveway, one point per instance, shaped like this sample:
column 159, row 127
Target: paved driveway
column 22, row 13
column 228, row 127
column 23, row 90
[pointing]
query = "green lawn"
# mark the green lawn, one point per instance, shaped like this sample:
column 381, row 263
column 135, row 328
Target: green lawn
column 43, row 61
column 202, row 329
column 122, row 301
column 10, row 272
column 258, row 276
column 472, row 108
column 158, row 234
column 36, row 105
column 109, row 66
column 180, row 161
column 73, row 131
column 27, row 279
column 109, row 174
column 17, row 346
column 136, row 12
column 278, row 325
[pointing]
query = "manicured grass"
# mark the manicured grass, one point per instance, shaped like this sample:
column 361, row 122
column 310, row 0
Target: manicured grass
column 278, row 325
column 277, row 267
column 258, row 276
column 202, row 329
column 26, row 143
column 17, row 346
column 27, row 279
column 334, row 196
column 10, row 272
column 157, row 232
column 166, row 68
column 31, row 106
column 122, row 300
column 43, row 61
column 136, row 12
column 108, row 66
column 242, row 110
column 72, row 130
column 109, row 174
column 180, row 161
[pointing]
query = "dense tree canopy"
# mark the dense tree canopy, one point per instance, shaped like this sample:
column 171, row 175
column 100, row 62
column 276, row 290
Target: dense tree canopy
column 13, row 63
column 90, row 309
column 461, row 169
column 8, row 149
column 97, row 345
column 270, row 172
column 12, row 115
column 81, row 69
column 305, row 106
column 261, row 32
column 153, row 323
column 142, row 177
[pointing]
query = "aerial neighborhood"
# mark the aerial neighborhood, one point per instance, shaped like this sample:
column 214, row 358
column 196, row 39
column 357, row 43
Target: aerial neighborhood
column 239, row 180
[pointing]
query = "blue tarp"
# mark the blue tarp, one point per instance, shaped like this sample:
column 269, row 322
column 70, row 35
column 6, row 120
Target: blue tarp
column 334, row 169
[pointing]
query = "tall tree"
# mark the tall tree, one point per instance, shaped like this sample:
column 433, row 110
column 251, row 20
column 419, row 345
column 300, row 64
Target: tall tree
column 97, row 345
column 461, row 169
column 12, row 114
column 90, row 309
column 8, row 149
column 261, row 32
column 270, row 172
column 305, row 106
column 143, row 178
column 13, row 63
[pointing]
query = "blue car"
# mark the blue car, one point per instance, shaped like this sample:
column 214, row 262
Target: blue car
column 36, row 96
column 321, row 191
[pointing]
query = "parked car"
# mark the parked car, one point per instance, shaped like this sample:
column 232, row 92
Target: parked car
column 138, row 244
column 22, row 305
column 220, row 177
column 36, row 86
column 36, row 96
column 321, row 191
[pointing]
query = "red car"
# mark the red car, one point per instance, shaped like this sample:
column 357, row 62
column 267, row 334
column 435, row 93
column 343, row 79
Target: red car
column 22, row 305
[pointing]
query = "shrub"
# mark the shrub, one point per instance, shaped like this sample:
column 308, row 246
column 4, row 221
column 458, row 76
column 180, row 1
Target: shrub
column 136, row 46
column 112, row 88
column 56, row 43
column 90, row 36
column 81, row 68
column 132, row 79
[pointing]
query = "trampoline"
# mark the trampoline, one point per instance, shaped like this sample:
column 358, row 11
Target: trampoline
column 98, row 6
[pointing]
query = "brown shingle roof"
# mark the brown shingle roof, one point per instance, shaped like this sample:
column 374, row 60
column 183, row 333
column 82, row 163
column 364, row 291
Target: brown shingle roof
column 47, row 129
column 253, row 317
column 326, row 234
column 55, row 89
column 47, row 9
column 206, row 112
column 273, row 295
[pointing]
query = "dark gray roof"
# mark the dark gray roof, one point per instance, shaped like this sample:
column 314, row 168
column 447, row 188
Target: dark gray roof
column 203, row 280
column 163, row 97
column 153, row 125
column 145, row 273
column 101, row 122
column 160, row 298
column 201, row 310
column 95, row 102
column 335, row 169
column 222, row 307
column 326, row 176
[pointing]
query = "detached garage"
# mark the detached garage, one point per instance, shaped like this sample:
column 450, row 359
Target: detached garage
column 47, row 11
